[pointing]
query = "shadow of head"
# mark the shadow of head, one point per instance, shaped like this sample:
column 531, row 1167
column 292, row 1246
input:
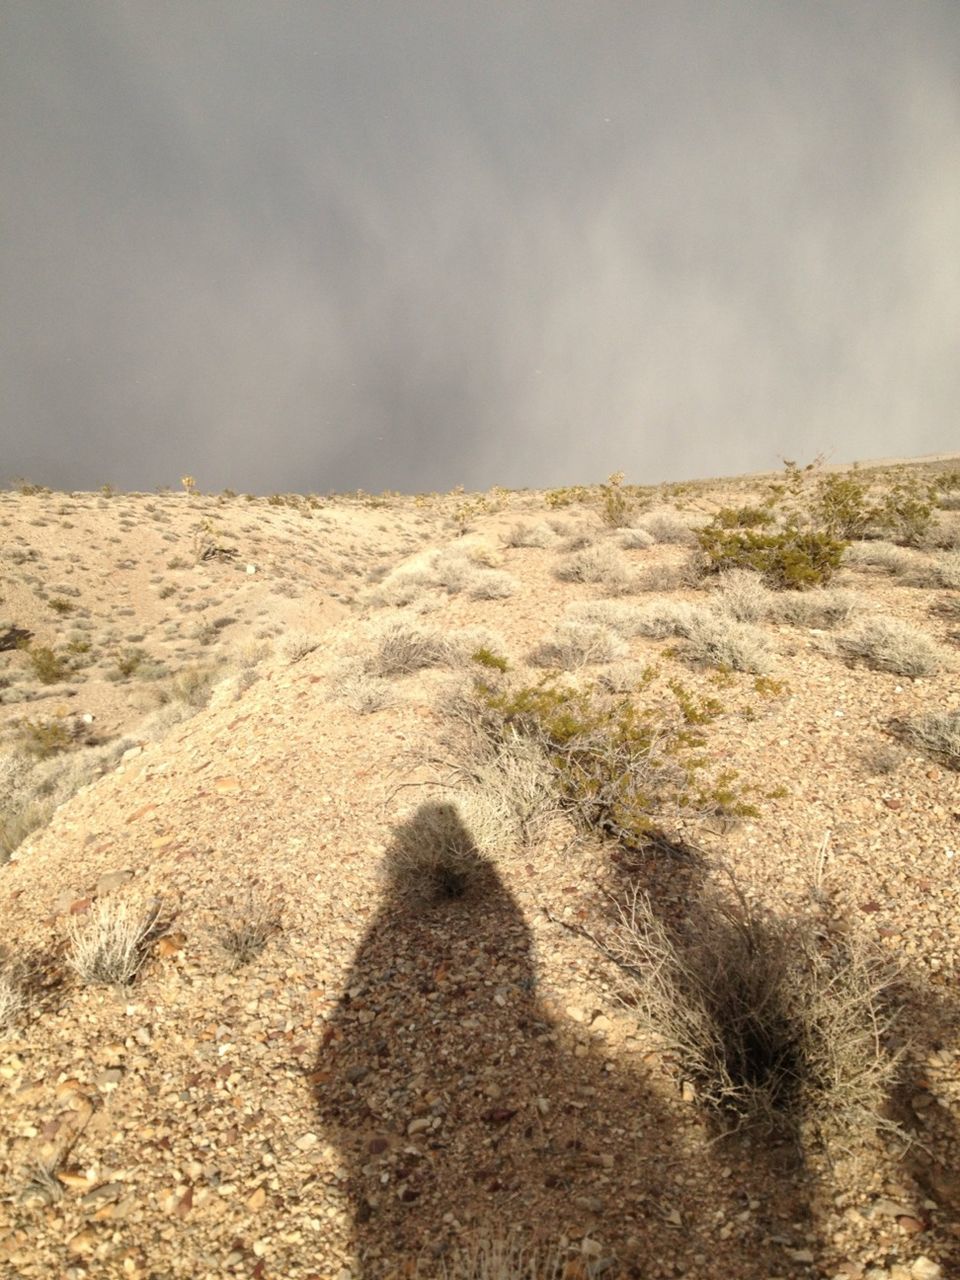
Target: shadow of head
column 433, row 858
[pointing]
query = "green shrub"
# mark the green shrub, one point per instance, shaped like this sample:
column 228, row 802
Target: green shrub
column 792, row 558
column 617, row 508
column 841, row 505
column 486, row 658
column 620, row 769
column 61, row 606
column 743, row 517
column 48, row 666
column 44, row 738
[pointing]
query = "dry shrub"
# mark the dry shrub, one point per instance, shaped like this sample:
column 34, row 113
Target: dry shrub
column 886, row 556
column 402, row 648
column 434, row 857
column 665, row 526
column 251, row 925
column 507, row 1259
column 821, row 608
column 624, row 619
column 299, row 644
column 721, row 642
column 711, row 637
column 636, row 539
column 529, row 535
column 491, row 584
column 601, row 564
column 945, row 571
column 773, row 1022
column 887, row 644
column 937, row 733
column 111, row 943
column 13, row 1000
column 744, row 596
column 578, row 644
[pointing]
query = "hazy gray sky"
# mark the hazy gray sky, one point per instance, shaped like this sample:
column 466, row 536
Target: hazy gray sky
column 304, row 245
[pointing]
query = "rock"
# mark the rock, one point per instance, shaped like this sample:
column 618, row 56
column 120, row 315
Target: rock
column 923, row 1268
column 307, row 1141
column 256, row 1202
column 418, row 1125
column 226, row 786
column 109, row 1079
column 82, row 1242
column 907, row 1222
column 575, row 1014
column 104, row 1194
column 111, row 880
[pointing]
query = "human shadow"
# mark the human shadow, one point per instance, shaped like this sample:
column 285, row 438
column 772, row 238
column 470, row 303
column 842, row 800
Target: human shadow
column 465, row 1106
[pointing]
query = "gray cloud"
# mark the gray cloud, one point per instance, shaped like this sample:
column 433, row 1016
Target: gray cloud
column 312, row 246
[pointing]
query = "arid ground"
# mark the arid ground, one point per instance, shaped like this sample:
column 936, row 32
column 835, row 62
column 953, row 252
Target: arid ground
column 318, row 874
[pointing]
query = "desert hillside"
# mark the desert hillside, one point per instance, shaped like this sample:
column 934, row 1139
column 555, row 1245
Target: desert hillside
column 520, row 884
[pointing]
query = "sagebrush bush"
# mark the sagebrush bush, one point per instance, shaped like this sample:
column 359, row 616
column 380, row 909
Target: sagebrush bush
column 624, row 619
column 636, row 540
column 112, row 942
column 13, row 999
column 600, row 563
column 775, row 1025
column 743, row 595
column 491, row 584
column 945, row 571
column 880, row 555
column 822, row 608
column 529, row 535
column 578, row 644
column 401, row 648
column 937, row 733
column 887, row 644
column 509, row 1258
column 298, row 644
column 723, row 642
column 666, row 526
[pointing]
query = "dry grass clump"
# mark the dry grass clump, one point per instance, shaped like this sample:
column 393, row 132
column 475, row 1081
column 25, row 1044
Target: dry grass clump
column 578, row 644
column 744, row 596
column 937, row 733
column 625, row 619
column 887, row 644
column 434, row 856
column 600, row 563
column 821, row 608
column 492, row 584
column 773, row 1023
column 13, row 999
column 711, row 637
column 507, row 1259
column 402, row 648
column 298, row 644
column 529, row 535
column 636, row 540
column 944, row 572
column 666, row 526
column 251, row 925
column 112, row 942
column 719, row 641
column 886, row 556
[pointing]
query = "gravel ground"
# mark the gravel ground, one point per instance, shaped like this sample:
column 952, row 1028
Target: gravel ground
column 387, row 1080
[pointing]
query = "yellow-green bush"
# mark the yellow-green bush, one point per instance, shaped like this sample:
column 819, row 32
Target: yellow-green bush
column 790, row 558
